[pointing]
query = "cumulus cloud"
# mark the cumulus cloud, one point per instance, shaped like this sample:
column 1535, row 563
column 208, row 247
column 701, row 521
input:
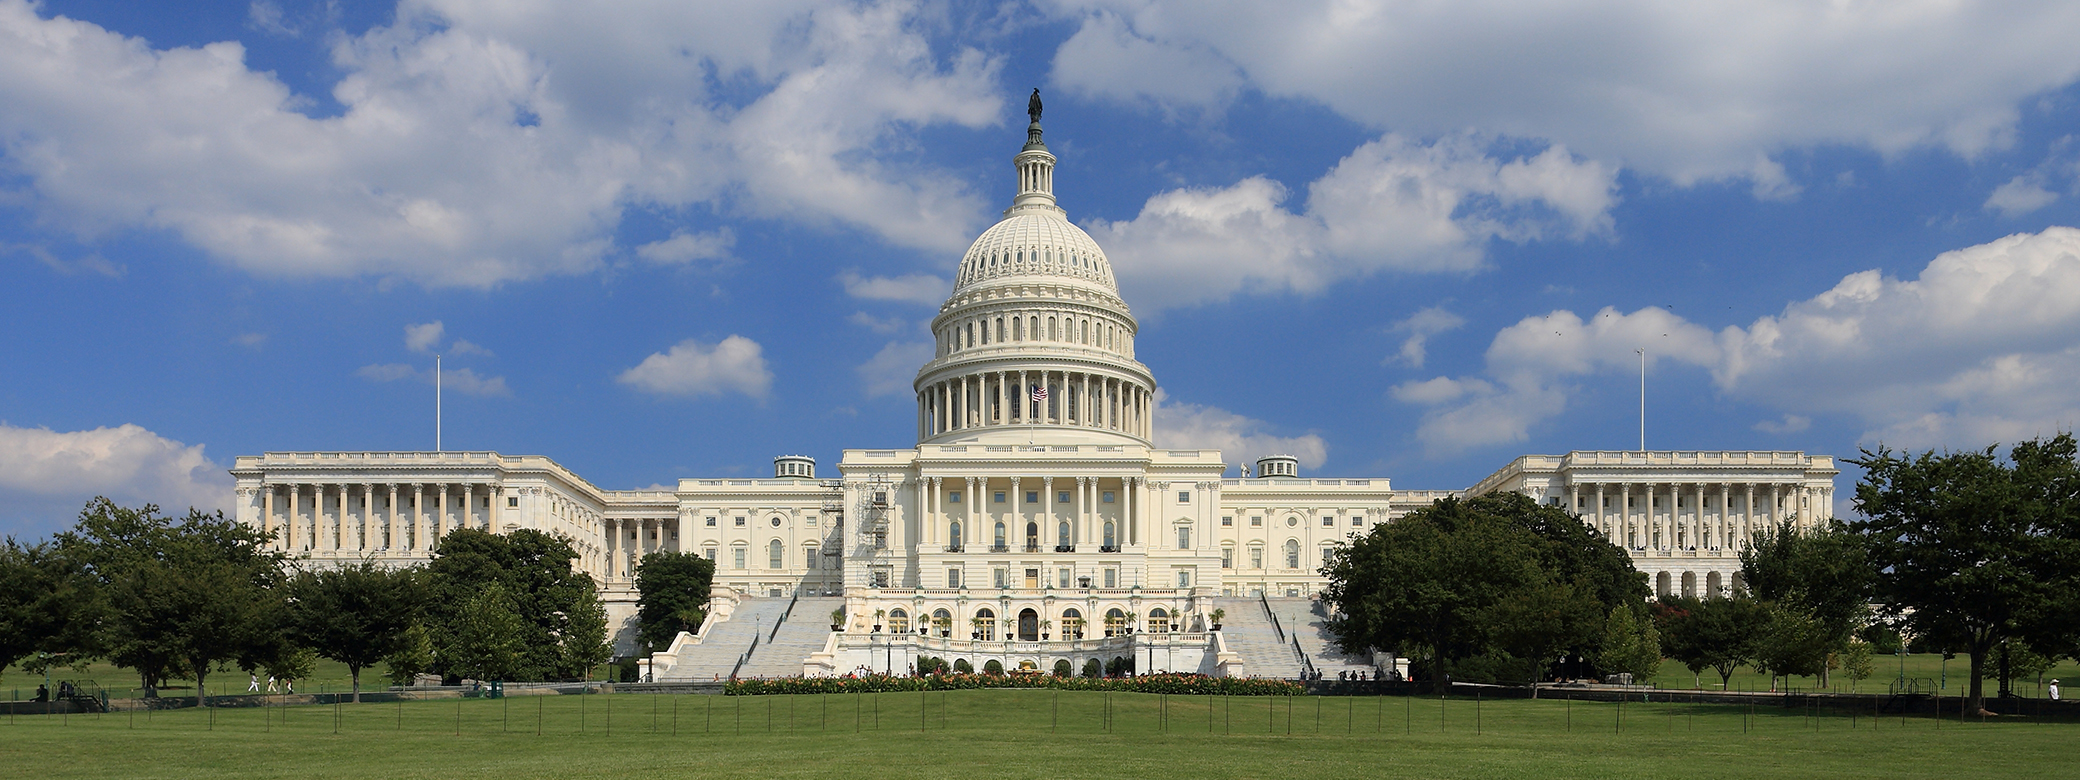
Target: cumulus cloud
column 891, row 370
column 882, row 325
column 691, row 368
column 684, row 247
column 482, row 143
column 909, row 288
column 460, row 380
column 1393, row 203
column 59, row 471
column 2021, row 195
column 1983, row 346
column 1420, row 326
column 1180, row 425
column 1689, row 92
column 424, row 337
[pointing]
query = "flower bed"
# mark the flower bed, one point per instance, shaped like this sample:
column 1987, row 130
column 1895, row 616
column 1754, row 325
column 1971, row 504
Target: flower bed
column 1184, row 684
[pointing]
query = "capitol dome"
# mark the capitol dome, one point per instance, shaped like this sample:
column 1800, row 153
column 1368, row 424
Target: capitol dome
column 1035, row 340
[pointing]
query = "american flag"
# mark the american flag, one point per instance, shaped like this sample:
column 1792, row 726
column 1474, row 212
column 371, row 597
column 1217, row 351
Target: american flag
column 1039, row 392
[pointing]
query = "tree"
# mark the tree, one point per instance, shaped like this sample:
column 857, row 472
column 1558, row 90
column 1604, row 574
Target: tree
column 1857, row 663
column 412, row 656
column 41, row 602
column 1716, row 634
column 1497, row 577
column 562, row 627
column 1792, row 642
column 186, row 595
column 487, row 640
column 356, row 615
column 673, row 588
column 1822, row 574
column 1630, row 644
column 1972, row 549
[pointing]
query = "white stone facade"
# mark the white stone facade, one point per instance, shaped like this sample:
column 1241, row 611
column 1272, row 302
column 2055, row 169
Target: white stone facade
column 1034, row 521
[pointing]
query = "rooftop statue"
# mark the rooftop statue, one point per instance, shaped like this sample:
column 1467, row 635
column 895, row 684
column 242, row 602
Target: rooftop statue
column 1033, row 105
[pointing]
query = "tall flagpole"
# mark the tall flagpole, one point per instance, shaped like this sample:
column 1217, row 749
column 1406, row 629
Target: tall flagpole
column 436, row 403
column 1642, row 398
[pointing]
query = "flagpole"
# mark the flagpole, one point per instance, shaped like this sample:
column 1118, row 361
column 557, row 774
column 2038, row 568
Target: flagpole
column 436, row 403
column 1642, row 398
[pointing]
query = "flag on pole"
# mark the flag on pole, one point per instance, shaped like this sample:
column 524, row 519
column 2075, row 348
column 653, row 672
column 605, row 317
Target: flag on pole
column 1039, row 392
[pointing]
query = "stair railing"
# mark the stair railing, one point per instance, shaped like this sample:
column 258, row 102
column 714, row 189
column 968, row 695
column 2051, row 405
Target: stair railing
column 1266, row 603
column 785, row 614
column 745, row 657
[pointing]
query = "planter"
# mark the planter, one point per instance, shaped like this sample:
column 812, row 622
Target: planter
column 877, row 628
column 835, row 628
column 1216, row 626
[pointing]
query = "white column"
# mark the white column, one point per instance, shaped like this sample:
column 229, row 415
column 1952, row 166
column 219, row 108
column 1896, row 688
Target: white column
column 267, row 515
column 441, row 526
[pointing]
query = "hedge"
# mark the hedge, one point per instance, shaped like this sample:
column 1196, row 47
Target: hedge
column 1184, row 684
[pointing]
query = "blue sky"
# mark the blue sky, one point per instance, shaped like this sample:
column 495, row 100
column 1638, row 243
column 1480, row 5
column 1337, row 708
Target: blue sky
column 665, row 239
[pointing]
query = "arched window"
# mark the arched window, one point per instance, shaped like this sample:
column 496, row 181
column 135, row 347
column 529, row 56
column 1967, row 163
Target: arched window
column 1115, row 622
column 1072, row 624
column 942, row 620
column 985, row 624
column 1109, row 541
column 1062, row 534
column 1158, row 621
column 775, row 555
column 898, row 621
column 953, row 536
column 1000, row 535
column 1032, row 536
column 1292, row 553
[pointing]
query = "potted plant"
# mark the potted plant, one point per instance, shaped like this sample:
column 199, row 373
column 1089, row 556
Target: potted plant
column 1130, row 622
column 838, row 619
column 878, row 615
column 1218, row 614
column 1044, row 625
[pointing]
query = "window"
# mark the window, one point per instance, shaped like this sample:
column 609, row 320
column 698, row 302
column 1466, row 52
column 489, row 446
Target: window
column 809, row 558
column 953, row 578
column 1256, row 557
column 1328, row 521
column 711, row 522
column 1003, row 577
column 1292, row 553
column 1000, row 496
column 740, row 522
column 1184, row 578
column 1158, row 621
column 985, row 624
column 738, row 556
column 1256, row 522
column 1061, row 497
column 953, row 536
column 709, row 553
column 1357, row 520
column 776, row 521
column 1062, row 534
column 1184, row 496
column 953, row 497
column 1184, row 537
column 1000, row 535
column 1227, row 557
column 1032, row 496
column 775, row 555
column 898, row 621
column 1105, row 497
column 1115, row 622
column 881, row 578
column 1228, row 521
column 1061, row 578
column 1292, row 521
column 512, row 502
column 1112, row 578
column 1109, row 540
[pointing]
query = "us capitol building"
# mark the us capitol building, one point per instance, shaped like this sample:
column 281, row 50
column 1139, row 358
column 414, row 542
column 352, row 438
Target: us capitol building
column 1036, row 522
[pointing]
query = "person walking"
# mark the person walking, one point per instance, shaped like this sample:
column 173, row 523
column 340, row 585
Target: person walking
column 253, row 685
column 2054, row 689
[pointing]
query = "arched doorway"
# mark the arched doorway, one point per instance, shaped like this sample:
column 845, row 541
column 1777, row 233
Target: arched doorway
column 1661, row 584
column 1032, row 537
column 1690, row 584
column 1028, row 625
column 1714, row 586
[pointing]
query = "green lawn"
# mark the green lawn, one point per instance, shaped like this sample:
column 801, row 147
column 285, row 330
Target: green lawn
column 1023, row 733
column 1922, row 665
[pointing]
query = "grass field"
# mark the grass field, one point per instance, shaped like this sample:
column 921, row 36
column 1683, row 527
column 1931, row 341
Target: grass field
column 1024, row 733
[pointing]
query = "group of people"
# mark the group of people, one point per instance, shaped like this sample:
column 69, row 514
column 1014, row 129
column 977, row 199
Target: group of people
column 66, row 690
column 284, row 685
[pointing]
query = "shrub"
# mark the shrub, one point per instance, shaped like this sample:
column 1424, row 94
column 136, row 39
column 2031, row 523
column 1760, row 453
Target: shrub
column 1061, row 668
column 961, row 666
column 992, row 668
column 1182, row 684
column 1092, row 669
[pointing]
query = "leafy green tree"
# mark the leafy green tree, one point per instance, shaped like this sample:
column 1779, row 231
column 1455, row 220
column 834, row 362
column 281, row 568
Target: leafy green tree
column 1858, row 664
column 412, row 656
column 186, row 595
column 296, row 663
column 42, row 601
column 1092, row 669
column 1716, row 634
column 357, row 614
column 1630, row 644
column 1496, row 577
column 1822, row 574
column 1792, row 642
column 673, row 596
column 1974, row 549
column 557, row 606
column 2015, row 660
column 487, row 640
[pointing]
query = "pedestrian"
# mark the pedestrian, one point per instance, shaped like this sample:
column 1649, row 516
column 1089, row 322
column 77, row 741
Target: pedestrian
column 2054, row 689
column 253, row 686
column 43, row 692
column 271, row 685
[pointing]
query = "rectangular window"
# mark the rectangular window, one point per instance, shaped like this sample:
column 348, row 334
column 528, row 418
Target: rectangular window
column 738, row 557
column 740, row 522
column 512, row 502
column 1032, row 496
column 1358, row 520
column 1328, row 521
column 709, row 553
column 1228, row 521
column 1112, row 578
column 1184, row 578
column 1184, row 538
column 711, row 522
column 1000, row 496
column 1003, row 577
column 809, row 558
column 953, row 497
column 1061, row 578
column 881, row 579
column 953, row 578
column 1061, row 497
column 1256, row 522
column 1184, row 496
column 1256, row 557
column 1227, row 557
column 1105, row 497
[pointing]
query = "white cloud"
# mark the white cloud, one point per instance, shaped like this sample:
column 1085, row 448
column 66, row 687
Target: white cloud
column 893, row 369
column 460, row 380
column 1180, row 425
column 684, row 247
column 480, row 143
column 1420, row 326
column 1791, row 423
column 127, row 463
column 1982, row 347
column 1391, row 204
column 2021, row 195
column 910, row 288
column 1692, row 91
column 690, row 368
column 424, row 337
column 878, row 324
